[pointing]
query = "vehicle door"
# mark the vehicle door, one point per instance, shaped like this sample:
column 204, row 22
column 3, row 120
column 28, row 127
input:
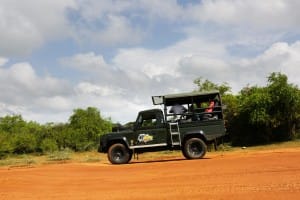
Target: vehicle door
column 150, row 130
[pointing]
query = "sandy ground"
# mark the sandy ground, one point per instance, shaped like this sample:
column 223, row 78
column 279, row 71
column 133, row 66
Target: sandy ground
column 243, row 175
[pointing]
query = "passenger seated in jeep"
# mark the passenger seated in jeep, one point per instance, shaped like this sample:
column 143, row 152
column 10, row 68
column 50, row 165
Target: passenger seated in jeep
column 205, row 110
column 209, row 111
column 177, row 110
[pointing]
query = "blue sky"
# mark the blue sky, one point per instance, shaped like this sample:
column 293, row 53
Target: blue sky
column 58, row 55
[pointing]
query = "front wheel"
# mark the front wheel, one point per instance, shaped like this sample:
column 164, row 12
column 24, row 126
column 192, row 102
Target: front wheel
column 119, row 154
column 194, row 148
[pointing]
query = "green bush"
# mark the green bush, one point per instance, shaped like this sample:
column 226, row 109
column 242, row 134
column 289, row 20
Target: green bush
column 5, row 146
column 24, row 143
column 48, row 145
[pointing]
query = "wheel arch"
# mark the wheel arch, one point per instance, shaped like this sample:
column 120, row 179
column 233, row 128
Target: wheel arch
column 199, row 135
column 120, row 140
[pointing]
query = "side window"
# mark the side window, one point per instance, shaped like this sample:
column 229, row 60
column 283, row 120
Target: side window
column 147, row 120
column 150, row 120
column 149, row 123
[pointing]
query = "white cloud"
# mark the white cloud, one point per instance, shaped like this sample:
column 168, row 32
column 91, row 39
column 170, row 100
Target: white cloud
column 118, row 30
column 26, row 25
column 91, row 10
column 115, row 30
column 8, row 109
column 94, row 67
column 86, row 88
column 86, row 62
column 280, row 57
column 21, row 78
column 54, row 103
column 143, row 65
column 253, row 13
column 205, row 66
column 111, row 23
column 104, row 22
column 23, row 91
column 12, row 37
column 122, row 95
column 120, row 22
column 168, row 10
column 119, row 106
column 190, row 59
column 3, row 61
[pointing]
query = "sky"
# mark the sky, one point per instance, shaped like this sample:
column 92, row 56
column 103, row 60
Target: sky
column 60, row 55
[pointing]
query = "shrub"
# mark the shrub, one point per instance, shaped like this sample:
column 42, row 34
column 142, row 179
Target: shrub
column 48, row 145
column 5, row 146
column 24, row 143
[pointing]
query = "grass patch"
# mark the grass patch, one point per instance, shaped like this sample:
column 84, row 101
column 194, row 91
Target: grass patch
column 60, row 155
column 225, row 147
column 20, row 160
column 91, row 159
column 277, row 145
column 88, row 157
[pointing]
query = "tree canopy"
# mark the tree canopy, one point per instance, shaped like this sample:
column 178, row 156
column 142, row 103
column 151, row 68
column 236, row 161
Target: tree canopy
column 81, row 133
column 260, row 114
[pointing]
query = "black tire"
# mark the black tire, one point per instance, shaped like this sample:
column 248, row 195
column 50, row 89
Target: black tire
column 194, row 148
column 119, row 154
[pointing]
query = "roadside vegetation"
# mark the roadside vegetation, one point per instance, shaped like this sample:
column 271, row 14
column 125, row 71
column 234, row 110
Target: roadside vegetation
column 260, row 115
column 90, row 157
column 81, row 133
column 255, row 116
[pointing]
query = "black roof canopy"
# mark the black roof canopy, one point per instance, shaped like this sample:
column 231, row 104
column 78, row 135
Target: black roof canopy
column 185, row 98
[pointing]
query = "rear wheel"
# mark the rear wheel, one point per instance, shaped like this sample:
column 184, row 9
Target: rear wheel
column 119, row 154
column 194, row 148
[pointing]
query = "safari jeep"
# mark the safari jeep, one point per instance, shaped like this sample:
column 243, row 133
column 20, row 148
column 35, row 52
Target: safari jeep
column 190, row 130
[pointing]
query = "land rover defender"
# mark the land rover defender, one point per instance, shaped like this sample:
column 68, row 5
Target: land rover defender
column 197, row 122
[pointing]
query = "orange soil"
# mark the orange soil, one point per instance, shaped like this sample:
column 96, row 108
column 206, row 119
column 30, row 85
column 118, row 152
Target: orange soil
column 243, row 175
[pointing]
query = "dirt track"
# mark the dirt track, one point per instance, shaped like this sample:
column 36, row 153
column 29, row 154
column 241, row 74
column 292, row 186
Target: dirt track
column 254, row 175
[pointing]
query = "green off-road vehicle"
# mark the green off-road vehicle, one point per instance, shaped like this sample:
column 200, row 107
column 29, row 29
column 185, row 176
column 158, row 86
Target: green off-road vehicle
column 186, row 122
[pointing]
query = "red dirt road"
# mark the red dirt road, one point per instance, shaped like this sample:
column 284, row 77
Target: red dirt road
column 255, row 175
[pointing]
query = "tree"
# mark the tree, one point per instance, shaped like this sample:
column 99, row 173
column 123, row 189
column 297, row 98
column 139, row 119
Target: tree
column 5, row 145
column 20, row 136
column 24, row 143
column 268, row 113
column 251, row 124
column 87, row 126
column 285, row 106
column 48, row 145
column 59, row 133
column 12, row 124
column 206, row 85
column 259, row 114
